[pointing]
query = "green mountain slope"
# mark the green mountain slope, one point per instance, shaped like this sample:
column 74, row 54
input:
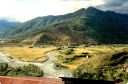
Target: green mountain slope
column 40, row 23
column 4, row 25
column 83, row 26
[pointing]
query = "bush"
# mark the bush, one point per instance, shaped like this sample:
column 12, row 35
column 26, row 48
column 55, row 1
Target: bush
column 102, row 73
column 29, row 70
column 4, row 69
column 59, row 48
column 3, row 66
column 68, row 51
column 58, row 66
column 86, row 74
column 31, row 47
column 104, row 67
column 124, row 75
column 71, row 58
column 118, row 58
column 71, row 46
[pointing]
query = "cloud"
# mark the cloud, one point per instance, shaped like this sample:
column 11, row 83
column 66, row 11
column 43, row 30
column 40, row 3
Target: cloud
column 24, row 10
column 120, row 6
column 115, row 3
column 75, row 0
column 10, row 19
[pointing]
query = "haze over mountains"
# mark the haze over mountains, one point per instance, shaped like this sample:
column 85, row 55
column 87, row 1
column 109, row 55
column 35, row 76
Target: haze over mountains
column 83, row 26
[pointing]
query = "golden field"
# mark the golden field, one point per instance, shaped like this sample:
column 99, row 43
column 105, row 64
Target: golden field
column 101, row 49
column 26, row 53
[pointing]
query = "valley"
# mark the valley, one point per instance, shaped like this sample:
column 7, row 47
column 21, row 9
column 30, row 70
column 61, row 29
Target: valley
column 88, row 43
column 62, row 61
column 84, row 26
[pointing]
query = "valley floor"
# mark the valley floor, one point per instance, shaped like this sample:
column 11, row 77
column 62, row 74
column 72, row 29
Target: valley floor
column 59, row 61
column 14, row 56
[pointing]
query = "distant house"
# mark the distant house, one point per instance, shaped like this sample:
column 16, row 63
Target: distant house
column 125, row 68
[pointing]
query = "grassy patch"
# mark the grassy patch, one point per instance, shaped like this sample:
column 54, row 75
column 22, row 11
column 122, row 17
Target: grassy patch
column 58, row 66
column 67, row 51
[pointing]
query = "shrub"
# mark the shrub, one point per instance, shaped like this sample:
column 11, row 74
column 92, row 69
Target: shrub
column 71, row 46
column 3, row 66
column 104, row 73
column 29, row 70
column 68, row 51
column 118, row 58
column 85, row 73
column 58, row 66
column 59, row 48
column 106, row 67
column 71, row 58
column 124, row 75
column 4, row 69
column 30, row 46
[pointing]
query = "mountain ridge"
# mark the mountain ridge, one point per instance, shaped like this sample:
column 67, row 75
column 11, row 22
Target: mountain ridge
column 43, row 20
column 83, row 26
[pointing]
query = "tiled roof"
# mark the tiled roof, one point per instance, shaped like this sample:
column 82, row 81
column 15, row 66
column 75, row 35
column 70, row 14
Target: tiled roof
column 29, row 80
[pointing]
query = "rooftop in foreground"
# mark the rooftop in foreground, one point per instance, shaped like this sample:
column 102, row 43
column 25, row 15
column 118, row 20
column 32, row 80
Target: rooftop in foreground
column 45, row 80
column 29, row 80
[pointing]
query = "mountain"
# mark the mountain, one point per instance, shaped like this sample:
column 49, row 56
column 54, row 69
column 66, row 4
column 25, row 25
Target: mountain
column 4, row 25
column 43, row 22
column 83, row 26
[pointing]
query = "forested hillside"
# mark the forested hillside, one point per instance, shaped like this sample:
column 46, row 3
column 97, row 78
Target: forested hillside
column 84, row 26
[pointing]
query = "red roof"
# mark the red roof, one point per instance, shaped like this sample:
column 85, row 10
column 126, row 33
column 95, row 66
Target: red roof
column 29, row 80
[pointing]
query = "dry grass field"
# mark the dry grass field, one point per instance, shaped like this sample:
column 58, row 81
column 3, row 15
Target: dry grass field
column 36, row 54
column 101, row 49
column 26, row 53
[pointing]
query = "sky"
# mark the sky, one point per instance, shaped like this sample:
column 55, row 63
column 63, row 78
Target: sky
column 23, row 10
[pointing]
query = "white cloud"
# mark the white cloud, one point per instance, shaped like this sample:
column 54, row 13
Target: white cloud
column 23, row 10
